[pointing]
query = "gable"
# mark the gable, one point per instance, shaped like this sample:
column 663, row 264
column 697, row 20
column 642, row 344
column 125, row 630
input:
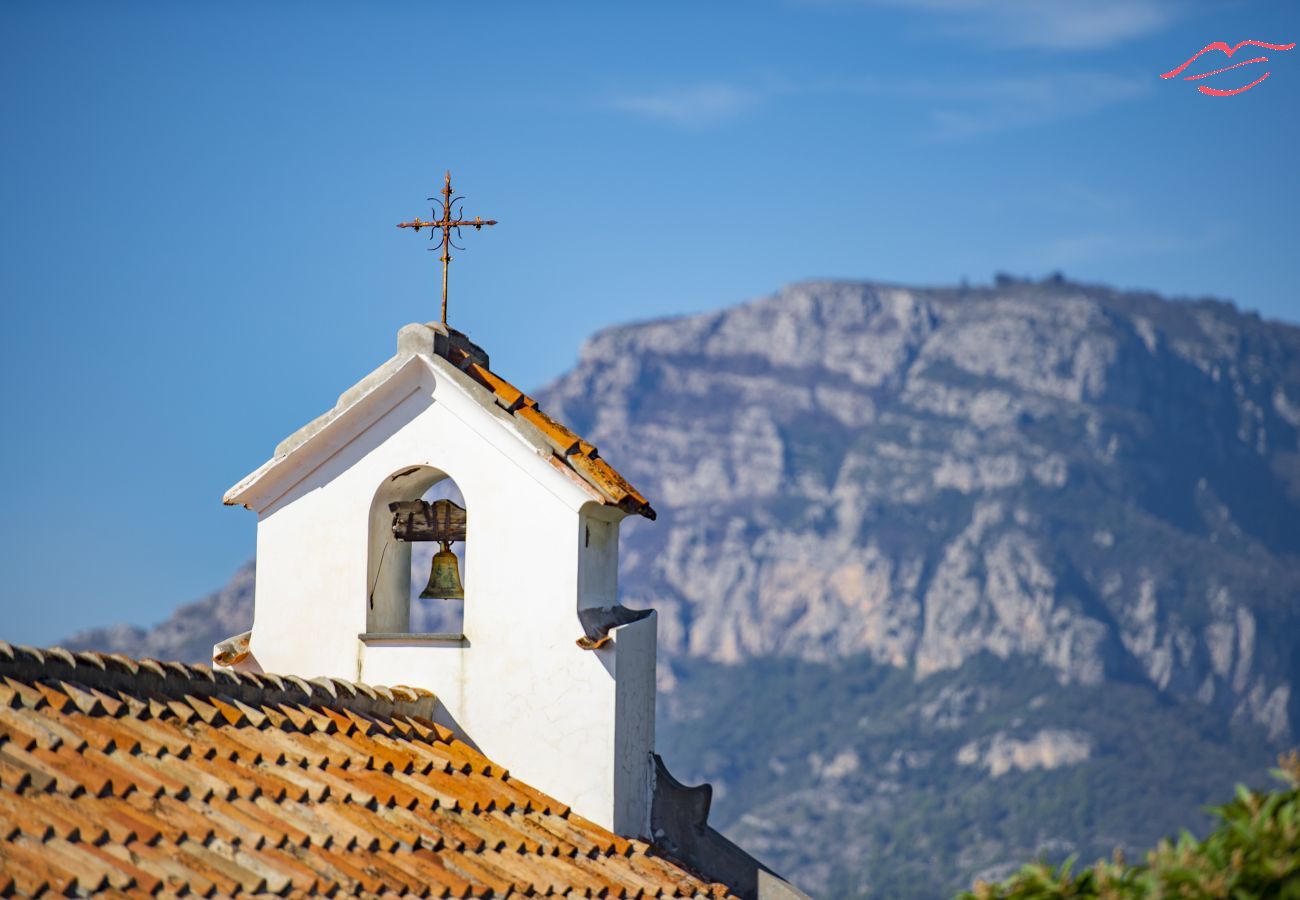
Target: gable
column 424, row 350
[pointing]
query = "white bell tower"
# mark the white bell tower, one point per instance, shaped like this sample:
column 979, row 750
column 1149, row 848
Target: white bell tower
column 548, row 676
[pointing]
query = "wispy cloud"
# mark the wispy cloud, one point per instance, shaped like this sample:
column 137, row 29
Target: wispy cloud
column 1075, row 197
column 1112, row 244
column 1051, row 24
column 699, row 104
column 946, row 109
column 970, row 109
column 959, row 109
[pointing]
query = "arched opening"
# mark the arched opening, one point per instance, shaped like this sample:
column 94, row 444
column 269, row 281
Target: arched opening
column 398, row 570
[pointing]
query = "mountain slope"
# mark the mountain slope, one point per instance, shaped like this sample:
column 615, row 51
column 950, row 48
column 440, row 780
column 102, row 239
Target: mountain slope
column 1105, row 483
column 187, row 634
column 856, row 779
column 946, row 577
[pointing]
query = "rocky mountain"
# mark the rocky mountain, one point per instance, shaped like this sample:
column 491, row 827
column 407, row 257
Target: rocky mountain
column 187, row 634
column 947, row 576
column 1105, row 483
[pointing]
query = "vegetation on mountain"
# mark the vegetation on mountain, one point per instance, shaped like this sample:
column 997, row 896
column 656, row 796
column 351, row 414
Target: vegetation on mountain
column 1254, row 852
column 868, row 782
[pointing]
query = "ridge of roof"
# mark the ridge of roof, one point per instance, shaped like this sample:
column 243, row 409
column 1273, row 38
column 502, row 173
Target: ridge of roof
column 149, row 778
column 176, row 680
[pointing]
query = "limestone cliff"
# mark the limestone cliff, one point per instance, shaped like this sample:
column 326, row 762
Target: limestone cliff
column 1104, row 482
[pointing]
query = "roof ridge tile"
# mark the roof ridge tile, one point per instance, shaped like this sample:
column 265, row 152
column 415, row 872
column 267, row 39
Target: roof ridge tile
column 112, row 673
column 23, row 653
column 60, row 653
column 117, row 662
column 94, row 660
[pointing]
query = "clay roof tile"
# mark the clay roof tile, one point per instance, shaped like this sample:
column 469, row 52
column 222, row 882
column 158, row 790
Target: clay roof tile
column 571, row 450
column 202, row 784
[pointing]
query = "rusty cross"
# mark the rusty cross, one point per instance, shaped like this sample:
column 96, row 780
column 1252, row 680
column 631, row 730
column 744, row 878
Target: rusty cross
column 447, row 222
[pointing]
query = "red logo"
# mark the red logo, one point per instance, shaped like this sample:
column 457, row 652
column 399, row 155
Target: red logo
column 1223, row 47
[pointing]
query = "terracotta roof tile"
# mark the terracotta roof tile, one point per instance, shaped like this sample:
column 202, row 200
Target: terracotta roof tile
column 32, row 869
column 226, row 879
column 130, row 874
column 24, row 695
column 143, row 777
column 234, row 818
column 29, row 729
column 280, row 816
column 156, row 777
column 569, row 450
column 446, row 883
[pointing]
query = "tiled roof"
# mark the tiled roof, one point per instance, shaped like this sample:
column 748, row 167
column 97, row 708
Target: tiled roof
column 569, row 449
column 161, row 778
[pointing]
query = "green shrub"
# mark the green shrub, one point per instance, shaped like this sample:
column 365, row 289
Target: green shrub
column 1254, row 852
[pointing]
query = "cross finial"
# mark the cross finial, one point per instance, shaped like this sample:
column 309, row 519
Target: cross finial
column 447, row 221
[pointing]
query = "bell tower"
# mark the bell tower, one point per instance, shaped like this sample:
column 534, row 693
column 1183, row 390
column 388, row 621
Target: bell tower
column 547, row 674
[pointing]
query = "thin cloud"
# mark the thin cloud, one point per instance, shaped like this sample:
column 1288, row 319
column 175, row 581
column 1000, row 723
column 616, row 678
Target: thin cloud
column 1108, row 245
column 1075, row 197
column 970, row 108
column 699, row 104
column 952, row 109
column 1048, row 24
column 1011, row 103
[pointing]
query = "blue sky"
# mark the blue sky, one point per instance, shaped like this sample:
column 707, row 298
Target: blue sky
column 199, row 201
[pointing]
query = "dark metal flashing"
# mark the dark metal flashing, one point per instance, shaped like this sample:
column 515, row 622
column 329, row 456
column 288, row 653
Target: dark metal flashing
column 679, row 825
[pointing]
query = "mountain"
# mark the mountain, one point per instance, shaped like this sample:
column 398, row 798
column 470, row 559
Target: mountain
column 948, row 577
column 187, row 634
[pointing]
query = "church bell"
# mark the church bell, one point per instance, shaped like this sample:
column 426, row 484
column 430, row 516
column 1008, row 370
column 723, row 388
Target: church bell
column 444, row 577
column 441, row 521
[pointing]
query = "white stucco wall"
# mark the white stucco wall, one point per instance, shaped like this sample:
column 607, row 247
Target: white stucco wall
column 598, row 556
column 577, row 724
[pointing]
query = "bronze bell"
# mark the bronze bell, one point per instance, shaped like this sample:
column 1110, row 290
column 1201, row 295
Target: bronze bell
column 444, row 577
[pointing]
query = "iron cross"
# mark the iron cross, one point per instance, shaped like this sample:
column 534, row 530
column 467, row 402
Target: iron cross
column 447, row 222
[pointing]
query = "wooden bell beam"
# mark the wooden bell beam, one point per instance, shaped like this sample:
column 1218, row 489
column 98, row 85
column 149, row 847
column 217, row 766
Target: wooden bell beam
column 419, row 520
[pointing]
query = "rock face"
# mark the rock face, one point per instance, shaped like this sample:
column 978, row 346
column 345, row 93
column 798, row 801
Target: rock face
column 1046, row 749
column 1105, row 483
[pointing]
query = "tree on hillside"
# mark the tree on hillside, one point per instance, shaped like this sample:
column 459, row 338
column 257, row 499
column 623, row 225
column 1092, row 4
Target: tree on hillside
column 1254, row 852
